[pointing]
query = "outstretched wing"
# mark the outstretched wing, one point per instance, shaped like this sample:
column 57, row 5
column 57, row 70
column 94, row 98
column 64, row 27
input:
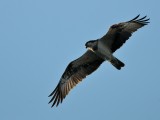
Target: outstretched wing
column 75, row 72
column 119, row 33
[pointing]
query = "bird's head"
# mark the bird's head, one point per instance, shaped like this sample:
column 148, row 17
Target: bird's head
column 92, row 44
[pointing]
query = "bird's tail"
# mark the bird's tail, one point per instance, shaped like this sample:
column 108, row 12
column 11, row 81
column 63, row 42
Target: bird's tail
column 117, row 63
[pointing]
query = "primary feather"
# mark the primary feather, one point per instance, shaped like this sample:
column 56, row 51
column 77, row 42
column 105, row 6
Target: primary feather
column 75, row 72
column 119, row 33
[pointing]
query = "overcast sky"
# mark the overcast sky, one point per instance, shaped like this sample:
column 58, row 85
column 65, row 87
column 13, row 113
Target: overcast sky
column 38, row 38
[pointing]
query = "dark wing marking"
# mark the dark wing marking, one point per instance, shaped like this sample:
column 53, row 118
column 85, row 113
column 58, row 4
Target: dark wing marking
column 121, row 32
column 75, row 72
column 127, row 29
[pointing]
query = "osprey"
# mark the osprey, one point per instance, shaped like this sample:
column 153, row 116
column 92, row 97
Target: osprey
column 99, row 50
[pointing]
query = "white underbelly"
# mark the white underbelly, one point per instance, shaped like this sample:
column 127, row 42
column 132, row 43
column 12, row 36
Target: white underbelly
column 104, row 52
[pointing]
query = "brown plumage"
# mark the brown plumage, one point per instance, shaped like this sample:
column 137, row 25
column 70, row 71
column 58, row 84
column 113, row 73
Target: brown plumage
column 78, row 69
column 75, row 72
column 119, row 33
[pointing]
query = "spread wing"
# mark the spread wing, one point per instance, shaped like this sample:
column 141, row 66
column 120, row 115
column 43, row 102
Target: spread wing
column 75, row 72
column 119, row 33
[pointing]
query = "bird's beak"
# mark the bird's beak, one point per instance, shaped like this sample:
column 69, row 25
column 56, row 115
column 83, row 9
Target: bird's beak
column 90, row 49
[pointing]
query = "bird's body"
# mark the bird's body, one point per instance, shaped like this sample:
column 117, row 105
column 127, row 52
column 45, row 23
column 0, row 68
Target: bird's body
column 104, row 52
column 99, row 50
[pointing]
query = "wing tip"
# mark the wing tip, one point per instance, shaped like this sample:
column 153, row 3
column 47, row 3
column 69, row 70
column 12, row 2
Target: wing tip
column 56, row 97
column 142, row 20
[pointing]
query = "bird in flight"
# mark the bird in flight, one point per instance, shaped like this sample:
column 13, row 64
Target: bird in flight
column 98, row 51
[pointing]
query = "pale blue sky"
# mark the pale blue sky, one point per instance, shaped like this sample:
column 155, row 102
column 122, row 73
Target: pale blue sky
column 38, row 38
